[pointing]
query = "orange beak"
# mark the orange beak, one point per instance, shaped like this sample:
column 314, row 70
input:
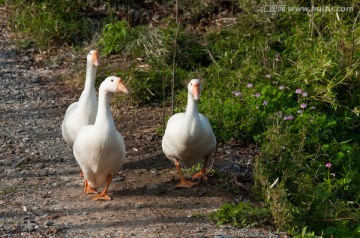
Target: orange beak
column 95, row 58
column 196, row 91
column 121, row 87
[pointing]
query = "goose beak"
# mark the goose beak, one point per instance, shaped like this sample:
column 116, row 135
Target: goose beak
column 196, row 91
column 121, row 87
column 95, row 58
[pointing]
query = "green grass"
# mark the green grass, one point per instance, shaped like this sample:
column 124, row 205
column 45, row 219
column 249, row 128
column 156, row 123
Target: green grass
column 241, row 215
column 51, row 23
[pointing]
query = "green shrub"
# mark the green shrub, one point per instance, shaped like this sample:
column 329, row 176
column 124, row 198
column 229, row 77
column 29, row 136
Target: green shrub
column 241, row 215
column 150, row 54
column 116, row 37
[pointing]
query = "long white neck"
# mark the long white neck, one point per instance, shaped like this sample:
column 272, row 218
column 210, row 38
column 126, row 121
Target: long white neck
column 90, row 76
column 104, row 116
column 192, row 118
column 89, row 89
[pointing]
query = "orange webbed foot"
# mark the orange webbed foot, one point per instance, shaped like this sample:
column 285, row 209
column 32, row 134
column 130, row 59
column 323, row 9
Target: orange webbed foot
column 101, row 197
column 200, row 175
column 88, row 189
column 185, row 184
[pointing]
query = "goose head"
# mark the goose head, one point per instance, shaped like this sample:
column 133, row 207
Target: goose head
column 194, row 88
column 114, row 84
column 93, row 57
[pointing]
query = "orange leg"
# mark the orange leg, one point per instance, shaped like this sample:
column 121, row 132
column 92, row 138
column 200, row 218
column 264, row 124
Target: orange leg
column 183, row 182
column 81, row 174
column 103, row 195
column 202, row 172
column 88, row 189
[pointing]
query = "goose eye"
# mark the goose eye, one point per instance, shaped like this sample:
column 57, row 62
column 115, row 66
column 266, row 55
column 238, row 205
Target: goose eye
column 112, row 80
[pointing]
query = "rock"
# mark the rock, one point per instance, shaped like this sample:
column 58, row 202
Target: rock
column 19, row 162
column 139, row 205
column 154, row 171
column 222, row 236
column 43, row 172
column 118, row 178
column 30, row 227
column 49, row 223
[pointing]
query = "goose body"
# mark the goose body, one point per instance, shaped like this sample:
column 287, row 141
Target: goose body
column 189, row 138
column 99, row 149
column 84, row 111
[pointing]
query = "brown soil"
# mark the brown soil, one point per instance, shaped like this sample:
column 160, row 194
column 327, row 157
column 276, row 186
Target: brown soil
column 41, row 192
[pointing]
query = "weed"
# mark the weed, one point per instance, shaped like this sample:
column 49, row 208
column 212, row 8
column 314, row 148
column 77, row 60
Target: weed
column 241, row 215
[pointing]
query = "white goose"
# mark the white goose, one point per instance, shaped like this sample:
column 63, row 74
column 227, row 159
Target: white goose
column 83, row 112
column 188, row 137
column 99, row 149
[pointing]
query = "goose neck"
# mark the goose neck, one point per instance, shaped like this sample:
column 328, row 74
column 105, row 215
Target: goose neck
column 192, row 107
column 104, row 116
column 90, row 76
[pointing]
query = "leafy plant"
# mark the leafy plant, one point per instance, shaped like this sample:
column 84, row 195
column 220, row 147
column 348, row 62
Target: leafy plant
column 241, row 215
column 115, row 36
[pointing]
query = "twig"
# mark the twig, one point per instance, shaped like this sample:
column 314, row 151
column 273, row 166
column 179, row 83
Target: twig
column 164, row 109
column 177, row 11
column 212, row 162
column 353, row 39
column 173, row 70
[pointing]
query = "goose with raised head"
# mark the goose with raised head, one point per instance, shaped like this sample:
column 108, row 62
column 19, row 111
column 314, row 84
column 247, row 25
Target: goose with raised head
column 99, row 149
column 84, row 111
column 188, row 137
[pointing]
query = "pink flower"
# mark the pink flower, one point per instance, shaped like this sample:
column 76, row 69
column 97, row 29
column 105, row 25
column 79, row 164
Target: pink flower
column 289, row 117
column 303, row 105
column 268, row 76
column 265, row 103
column 304, row 94
column 328, row 165
column 298, row 91
column 257, row 95
column 249, row 85
column 300, row 111
column 281, row 87
column 236, row 93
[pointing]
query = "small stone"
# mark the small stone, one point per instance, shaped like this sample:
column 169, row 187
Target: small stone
column 119, row 179
column 49, row 223
column 154, row 171
column 221, row 236
column 31, row 227
column 139, row 205
column 45, row 194
column 152, row 187
column 43, row 172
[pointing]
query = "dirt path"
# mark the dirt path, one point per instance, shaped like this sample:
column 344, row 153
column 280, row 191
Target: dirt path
column 40, row 188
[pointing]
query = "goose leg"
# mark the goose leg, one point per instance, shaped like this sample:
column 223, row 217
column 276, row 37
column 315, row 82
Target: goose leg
column 88, row 189
column 202, row 172
column 103, row 195
column 183, row 182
